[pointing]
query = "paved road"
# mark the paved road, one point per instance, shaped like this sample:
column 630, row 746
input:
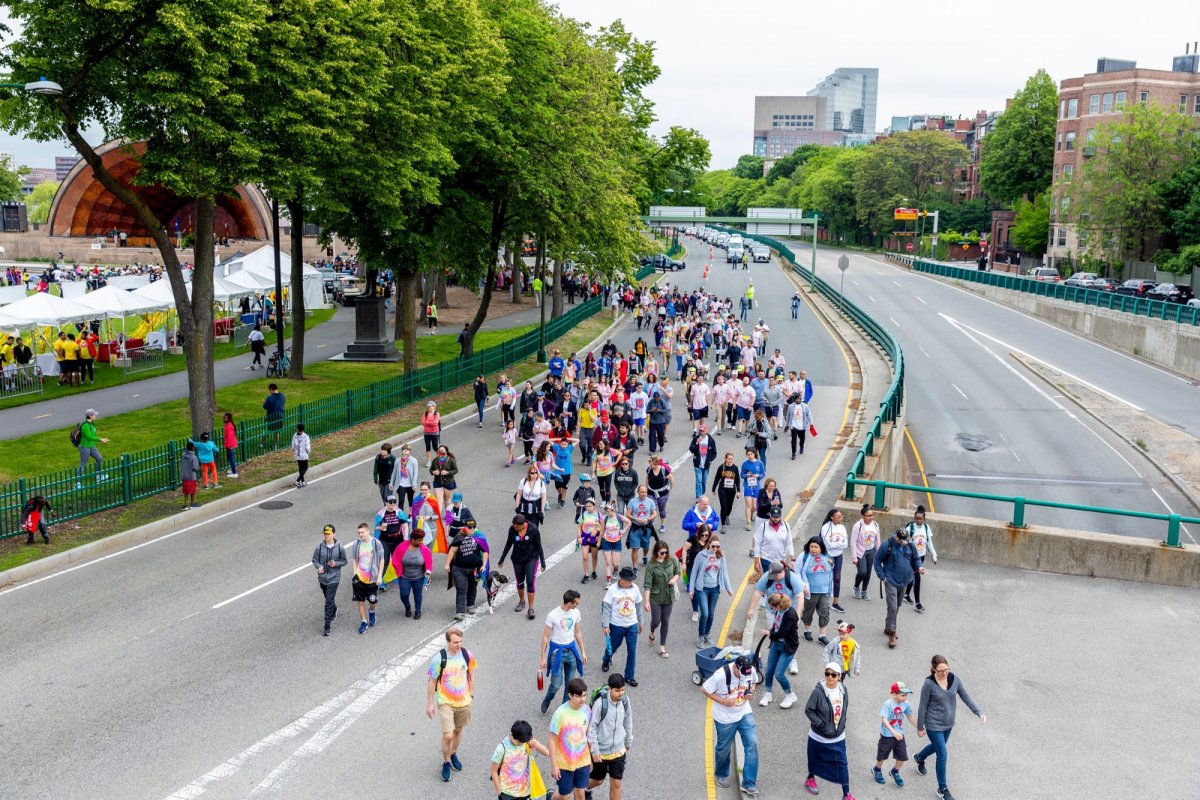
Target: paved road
column 194, row 665
column 321, row 343
column 983, row 423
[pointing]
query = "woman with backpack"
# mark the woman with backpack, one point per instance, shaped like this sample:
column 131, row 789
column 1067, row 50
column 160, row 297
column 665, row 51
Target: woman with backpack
column 833, row 534
column 759, row 434
column 708, row 576
column 815, row 568
column 921, row 536
column 864, row 538
column 784, row 633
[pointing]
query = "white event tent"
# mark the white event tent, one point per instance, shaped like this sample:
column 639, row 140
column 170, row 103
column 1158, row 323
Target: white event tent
column 43, row 308
column 262, row 262
column 116, row 302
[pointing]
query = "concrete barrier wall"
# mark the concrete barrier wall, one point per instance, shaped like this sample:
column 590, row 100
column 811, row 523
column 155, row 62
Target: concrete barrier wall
column 1169, row 344
column 1093, row 555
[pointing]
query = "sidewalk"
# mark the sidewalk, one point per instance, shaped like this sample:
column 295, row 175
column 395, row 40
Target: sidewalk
column 320, row 343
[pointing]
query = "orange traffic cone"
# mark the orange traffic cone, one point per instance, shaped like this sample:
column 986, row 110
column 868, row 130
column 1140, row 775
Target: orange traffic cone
column 706, row 266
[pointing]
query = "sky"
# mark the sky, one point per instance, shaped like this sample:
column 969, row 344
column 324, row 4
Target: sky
column 935, row 57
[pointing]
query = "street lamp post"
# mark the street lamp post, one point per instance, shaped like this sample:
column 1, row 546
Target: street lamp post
column 278, row 282
column 40, row 86
column 813, row 277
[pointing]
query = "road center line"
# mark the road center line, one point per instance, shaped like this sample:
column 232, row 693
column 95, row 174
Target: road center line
column 960, row 391
column 894, row 322
column 261, row 586
column 921, row 299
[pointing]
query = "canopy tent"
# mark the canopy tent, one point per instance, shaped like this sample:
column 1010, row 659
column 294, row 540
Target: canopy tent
column 253, row 281
column 160, row 292
column 43, row 308
column 117, row 302
column 225, row 290
column 262, row 262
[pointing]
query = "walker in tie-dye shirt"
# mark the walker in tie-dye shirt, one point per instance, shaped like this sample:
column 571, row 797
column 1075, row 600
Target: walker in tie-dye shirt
column 452, row 689
column 569, row 726
column 514, row 770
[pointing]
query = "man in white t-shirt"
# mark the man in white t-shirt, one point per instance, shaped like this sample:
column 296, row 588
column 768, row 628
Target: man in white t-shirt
column 698, row 402
column 621, row 617
column 563, row 652
column 731, row 688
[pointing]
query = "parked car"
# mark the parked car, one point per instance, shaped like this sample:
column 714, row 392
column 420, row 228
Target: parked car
column 1136, row 287
column 1080, row 279
column 761, row 253
column 1047, row 274
column 1171, row 293
column 1194, row 302
column 664, row 263
column 1103, row 284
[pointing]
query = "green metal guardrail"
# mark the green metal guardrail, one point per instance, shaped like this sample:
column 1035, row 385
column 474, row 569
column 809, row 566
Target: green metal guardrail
column 890, row 407
column 1129, row 304
column 133, row 476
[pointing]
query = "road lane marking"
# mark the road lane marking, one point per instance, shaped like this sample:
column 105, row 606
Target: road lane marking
column 43, row 416
column 924, row 351
column 920, row 468
column 322, row 345
column 1037, row 480
column 897, row 283
column 960, row 391
column 1167, row 505
column 921, row 299
column 872, row 299
column 897, row 324
column 263, row 585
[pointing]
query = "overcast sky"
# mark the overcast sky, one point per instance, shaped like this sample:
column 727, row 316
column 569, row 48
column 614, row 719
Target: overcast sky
column 935, row 57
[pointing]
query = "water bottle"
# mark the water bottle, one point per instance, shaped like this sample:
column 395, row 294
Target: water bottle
column 541, row 681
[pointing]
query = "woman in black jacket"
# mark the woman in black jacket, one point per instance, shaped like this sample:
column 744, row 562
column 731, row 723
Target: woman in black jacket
column 528, row 399
column 727, row 483
column 784, row 631
column 826, row 710
column 695, row 545
column 525, row 542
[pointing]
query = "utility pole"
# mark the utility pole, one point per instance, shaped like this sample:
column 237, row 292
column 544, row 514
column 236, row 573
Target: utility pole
column 813, row 277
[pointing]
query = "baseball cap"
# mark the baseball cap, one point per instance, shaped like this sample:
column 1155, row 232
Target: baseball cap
column 776, row 512
column 328, row 529
column 834, row 667
column 456, row 497
column 744, row 664
column 391, row 498
column 899, row 688
column 776, row 568
column 91, row 412
column 844, row 627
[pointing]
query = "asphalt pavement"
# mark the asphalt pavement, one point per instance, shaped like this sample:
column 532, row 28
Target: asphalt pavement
column 192, row 665
column 983, row 423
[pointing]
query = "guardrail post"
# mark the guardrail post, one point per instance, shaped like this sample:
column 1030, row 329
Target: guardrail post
column 849, row 493
column 1172, row 531
column 1018, row 520
column 172, row 464
column 241, row 442
column 23, row 488
column 126, row 479
column 869, row 444
column 349, row 407
column 880, row 495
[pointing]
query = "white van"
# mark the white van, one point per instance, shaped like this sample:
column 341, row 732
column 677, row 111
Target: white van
column 734, row 254
column 736, row 239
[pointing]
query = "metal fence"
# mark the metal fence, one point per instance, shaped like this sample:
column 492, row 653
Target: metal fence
column 16, row 380
column 1129, row 304
column 133, row 476
column 143, row 359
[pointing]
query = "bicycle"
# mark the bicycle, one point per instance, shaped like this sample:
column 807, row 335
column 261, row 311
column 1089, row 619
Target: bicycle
column 278, row 363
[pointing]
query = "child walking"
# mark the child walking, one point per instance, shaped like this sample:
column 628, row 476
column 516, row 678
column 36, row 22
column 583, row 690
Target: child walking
column 844, row 650
column 891, row 732
column 510, row 441
column 512, row 763
column 189, row 467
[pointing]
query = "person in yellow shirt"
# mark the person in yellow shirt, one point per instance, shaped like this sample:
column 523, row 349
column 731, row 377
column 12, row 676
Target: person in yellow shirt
column 6, row 352
column 844, row 650
column 71, row 363
column 60, row 345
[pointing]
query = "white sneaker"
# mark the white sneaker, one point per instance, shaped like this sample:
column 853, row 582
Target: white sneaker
column 789, row 700
column 766, row 700
column 695, row 616
column 793, row 669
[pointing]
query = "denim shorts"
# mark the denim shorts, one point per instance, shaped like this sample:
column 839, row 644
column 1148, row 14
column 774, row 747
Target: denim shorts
column 607, row 545
column 575, row 779
column 639, row 538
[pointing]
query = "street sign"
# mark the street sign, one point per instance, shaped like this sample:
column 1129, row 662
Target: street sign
column 906, row 213
column 844, row 263
column 908, row 247
column 935, row 241
column 966, row 246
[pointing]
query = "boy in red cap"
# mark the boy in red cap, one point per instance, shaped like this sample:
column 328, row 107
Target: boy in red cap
column 891, row 732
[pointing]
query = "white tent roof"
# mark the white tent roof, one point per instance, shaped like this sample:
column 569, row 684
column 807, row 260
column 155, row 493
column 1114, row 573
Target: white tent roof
column 225, row 289
column 160, row 292
column 119, row 302
column 262, row 261
column 44, row 308
column 254, row 281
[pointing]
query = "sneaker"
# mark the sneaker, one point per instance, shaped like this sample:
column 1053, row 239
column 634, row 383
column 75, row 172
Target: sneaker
column 808, row 636
column 794, row 669
column 216, row 486
column 446, row 771
column 454, row 762
column 811, row 785
column 604, row 665
column 416, row 615
column 856, row 594
column 838, row 608
column 848, row 796
column 823, row 639
column 593, row 574
column 102, row 476
column 878, row 773
column 371, row 616
column 407, row 611
column 944, row 793
column 457, row 617
column 631, row 682
column 383, row 587
column 896, row 777
column 766, row 700
column 326, row 632
column 635, row 572
column 700, row 645
column 695, row 616
column 520, row 607
column 751, row 791
column 748, row 528
column 920, row 608
column 362, row 627
column 233, row 475
column 545, row 704
column 921, row 766
column 722, row 782
column 908, row 600
column 865, row 596
column 789, row 700
column 585, row 579
column 793, row 456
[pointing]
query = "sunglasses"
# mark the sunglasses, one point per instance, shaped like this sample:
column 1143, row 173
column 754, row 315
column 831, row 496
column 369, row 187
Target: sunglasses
column 829, row 674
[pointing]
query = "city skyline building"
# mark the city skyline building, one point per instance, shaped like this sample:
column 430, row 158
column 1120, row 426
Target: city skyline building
column 853, row 96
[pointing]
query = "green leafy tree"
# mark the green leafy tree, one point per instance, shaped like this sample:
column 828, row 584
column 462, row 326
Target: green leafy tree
column 1030, row 231
column 175, row 75
column 786, row 166
column 39, row 201
column 827, row 184
column 1180, row 196
column 1018, row 155
column 10, row 182
column 913, row 167
column 1117, row 193
column 749, row 167
column 674, row 162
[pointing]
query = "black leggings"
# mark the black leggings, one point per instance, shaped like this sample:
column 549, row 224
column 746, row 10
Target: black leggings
column 507, row 414
column 432, row 440
column 660, row 617
column 725, row 499
column 525, row 574
column 913, row 589
column 405, row 494
column 863, row 578
column 797, row 434
column 302, row 468
column 605, row 483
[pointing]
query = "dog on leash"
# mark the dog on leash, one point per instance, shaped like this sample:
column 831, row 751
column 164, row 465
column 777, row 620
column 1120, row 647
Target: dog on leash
column 495, row 580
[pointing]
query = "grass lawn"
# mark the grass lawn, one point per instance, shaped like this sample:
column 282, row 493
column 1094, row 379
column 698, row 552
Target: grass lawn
column 170, row 419
column 115, row 376
column 444, row 346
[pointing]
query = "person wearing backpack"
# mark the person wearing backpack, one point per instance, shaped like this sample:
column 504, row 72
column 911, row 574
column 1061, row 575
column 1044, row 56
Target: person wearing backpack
column 895, row 564
column 84, row 437
column 921, row 536
column 609, row 735
column 512, row 762
column 450, row 690
column 328, row 560
column 731, row 689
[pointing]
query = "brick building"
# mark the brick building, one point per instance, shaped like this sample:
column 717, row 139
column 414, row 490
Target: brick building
column 1098, row 97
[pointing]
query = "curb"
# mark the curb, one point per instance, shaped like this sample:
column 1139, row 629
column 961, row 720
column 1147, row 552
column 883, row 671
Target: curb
column 152, row 530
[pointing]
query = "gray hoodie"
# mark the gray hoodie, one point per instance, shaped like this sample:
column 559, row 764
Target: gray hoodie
column 613, row 733
column 936, row 712
column 321, row 558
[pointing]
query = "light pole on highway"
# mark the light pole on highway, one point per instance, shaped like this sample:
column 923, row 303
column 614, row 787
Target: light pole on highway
column 40, row 86
column 813, row 278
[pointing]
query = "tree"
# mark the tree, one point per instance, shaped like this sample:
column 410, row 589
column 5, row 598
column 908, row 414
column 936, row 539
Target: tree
column 674, row 162
column 786, row 166
column 1117, row 197
column 913, row 167
column 173, row 75
column 749, row 167
column 1018, row 155
column 827, row 184
column 10, row 181
column 39, row 201
column 1030, row 231
column 1180, row 196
